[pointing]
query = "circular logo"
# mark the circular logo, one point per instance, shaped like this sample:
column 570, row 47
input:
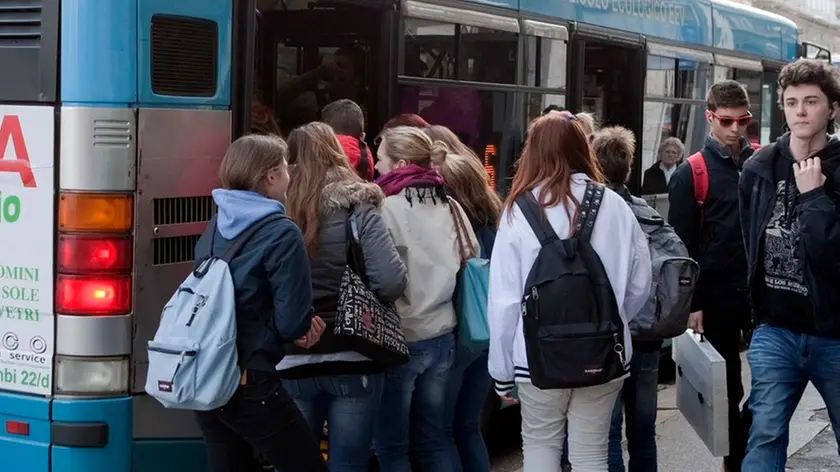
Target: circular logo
column 37, row 345
column 10, row 341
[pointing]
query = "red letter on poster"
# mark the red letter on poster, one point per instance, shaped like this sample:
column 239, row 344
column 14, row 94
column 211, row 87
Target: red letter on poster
column 10, row 129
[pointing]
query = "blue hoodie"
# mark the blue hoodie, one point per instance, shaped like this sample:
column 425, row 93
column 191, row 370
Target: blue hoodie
column 270, row 276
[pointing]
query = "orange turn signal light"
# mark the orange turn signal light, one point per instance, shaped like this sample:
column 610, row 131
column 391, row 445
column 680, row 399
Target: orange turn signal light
column 95, row 212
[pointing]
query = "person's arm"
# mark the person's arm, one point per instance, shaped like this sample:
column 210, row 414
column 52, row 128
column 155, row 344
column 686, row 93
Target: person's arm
column 684, row 215
column 684, row 212
column 819, row 218
column 744, row 208
column 386, row 272
column 640, row 274
column 287, row 267
column 820, row 230
column 648, row 187
column 504, row 305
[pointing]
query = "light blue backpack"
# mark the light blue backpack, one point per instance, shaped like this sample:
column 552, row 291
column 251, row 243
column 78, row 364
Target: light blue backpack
column 193, row 360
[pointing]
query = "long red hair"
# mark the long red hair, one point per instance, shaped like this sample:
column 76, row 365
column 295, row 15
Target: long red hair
column 557, row 147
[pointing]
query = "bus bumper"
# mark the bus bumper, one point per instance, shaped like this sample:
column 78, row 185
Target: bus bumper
column 59, row 435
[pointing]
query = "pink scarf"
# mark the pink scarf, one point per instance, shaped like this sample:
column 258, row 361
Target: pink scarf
column 411, row 175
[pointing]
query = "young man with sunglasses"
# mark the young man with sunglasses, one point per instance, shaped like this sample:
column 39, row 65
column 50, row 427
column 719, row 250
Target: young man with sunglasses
column 711, row 230
column 789, row 214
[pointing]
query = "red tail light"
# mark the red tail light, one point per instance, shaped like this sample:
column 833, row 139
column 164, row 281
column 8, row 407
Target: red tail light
column 18, row 428
column 91, row 254
column 83, row 295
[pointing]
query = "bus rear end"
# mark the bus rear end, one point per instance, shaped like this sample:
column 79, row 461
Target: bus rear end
column 108, row 158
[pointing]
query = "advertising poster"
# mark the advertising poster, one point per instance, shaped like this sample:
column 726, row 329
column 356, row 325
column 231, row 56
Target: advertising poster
column 27, row 175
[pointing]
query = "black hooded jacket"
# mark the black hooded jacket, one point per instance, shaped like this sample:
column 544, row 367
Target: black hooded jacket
column 713, row 237
column 795, row 236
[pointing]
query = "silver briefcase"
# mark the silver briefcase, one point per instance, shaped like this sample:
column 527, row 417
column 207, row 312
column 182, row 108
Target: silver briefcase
column 701, row 390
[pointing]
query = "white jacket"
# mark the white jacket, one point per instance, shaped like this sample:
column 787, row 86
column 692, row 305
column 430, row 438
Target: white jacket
column 618, row 240
column 424, row 234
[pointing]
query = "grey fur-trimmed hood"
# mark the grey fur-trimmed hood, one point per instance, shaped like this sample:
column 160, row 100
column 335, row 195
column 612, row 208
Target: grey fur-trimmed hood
column 344, row 194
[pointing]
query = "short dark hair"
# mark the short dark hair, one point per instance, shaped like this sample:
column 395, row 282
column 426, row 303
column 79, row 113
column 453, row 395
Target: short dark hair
column 615, row 148
column 727, row 94
column 345, row 117
column 551, row 108
column 810, row 72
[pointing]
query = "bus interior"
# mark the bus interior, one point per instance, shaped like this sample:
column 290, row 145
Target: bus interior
column 309, row 54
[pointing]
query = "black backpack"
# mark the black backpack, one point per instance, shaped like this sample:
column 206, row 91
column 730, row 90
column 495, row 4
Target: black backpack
column 574, row 336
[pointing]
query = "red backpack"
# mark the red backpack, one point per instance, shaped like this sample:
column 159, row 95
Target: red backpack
column 700, row 175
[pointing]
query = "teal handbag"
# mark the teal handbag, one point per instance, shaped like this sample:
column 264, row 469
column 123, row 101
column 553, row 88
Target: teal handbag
column 470, row 297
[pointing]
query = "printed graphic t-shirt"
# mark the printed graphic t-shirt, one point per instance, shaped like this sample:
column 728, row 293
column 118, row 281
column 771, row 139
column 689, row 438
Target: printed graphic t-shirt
column 784, row 301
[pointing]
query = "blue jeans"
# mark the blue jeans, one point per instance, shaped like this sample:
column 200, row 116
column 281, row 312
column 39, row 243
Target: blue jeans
column 412, row 415
column 782, row 363
column 468, row 386
column 639, row 397
column 348, row 404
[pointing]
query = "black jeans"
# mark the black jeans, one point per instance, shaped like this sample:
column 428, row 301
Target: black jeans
column 261, row 418
column 726, row 313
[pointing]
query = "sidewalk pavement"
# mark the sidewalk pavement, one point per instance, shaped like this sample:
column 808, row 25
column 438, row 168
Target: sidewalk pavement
column 812, row 446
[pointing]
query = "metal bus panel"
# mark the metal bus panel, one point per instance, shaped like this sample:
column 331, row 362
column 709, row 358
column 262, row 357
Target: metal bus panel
column 720, row 24
column 510, row 4
column 749, row 30
column 790, row 42
column 31, row 452
column 685, row 21
column 95, row 336
column 180, row 155
column 29, row 51
column 99, row 52
column 95, row 435
column 177, row 55
column 98, row 149
column 181, row 151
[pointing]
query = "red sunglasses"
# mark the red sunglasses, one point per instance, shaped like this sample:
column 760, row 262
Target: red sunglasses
column 726, row 121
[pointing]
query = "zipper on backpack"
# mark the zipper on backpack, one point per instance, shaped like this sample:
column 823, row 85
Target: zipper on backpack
column 619, row 349
column 174, row 352
column 202, row 300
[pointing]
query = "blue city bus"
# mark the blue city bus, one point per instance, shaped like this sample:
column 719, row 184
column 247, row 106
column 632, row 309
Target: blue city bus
column 114, row 116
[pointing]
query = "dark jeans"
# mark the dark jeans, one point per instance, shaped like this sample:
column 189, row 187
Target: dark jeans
column 261, row 417
column 725, row 312
column 782, row 363
column 411, row 418
column 348, row 404
column 468, row 386
column 639, row 398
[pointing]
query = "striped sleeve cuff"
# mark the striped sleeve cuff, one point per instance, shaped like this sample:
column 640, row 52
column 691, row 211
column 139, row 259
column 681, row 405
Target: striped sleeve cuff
column 503, row 388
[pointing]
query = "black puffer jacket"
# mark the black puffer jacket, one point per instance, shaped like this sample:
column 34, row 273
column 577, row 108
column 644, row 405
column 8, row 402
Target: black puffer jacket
column 385, row 270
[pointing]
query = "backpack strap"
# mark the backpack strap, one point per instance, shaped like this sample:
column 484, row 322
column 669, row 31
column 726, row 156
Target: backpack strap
column 355, row 254
column 589, row 207
column 240, row 241
column 539, row 223
column 700, row 175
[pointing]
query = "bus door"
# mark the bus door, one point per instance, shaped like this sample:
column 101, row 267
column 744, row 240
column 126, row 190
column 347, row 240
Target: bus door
column 606, row 77
column 772, row 117
column 315, row 52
